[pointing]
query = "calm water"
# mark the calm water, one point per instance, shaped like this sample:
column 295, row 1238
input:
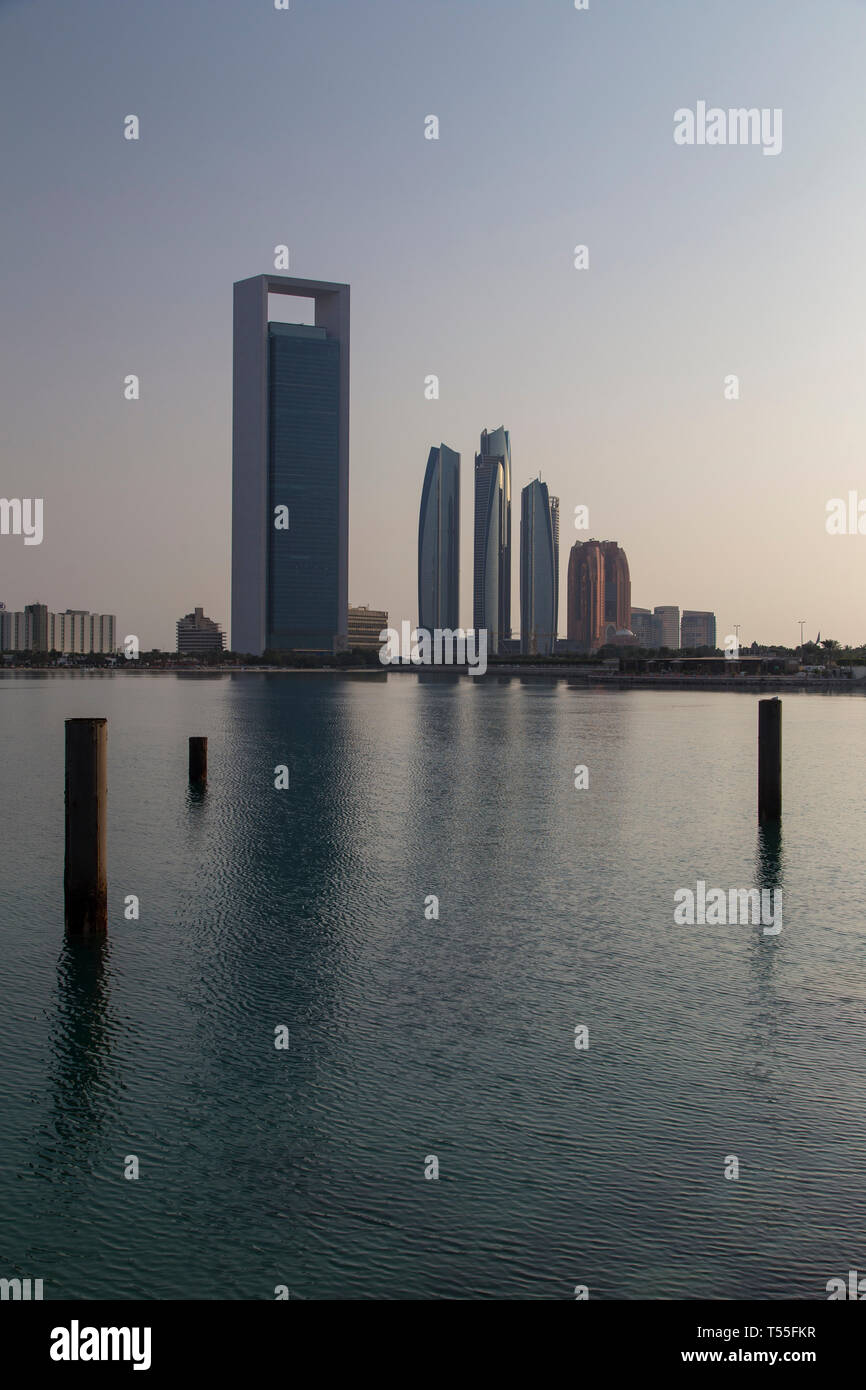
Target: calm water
column 411, row 1037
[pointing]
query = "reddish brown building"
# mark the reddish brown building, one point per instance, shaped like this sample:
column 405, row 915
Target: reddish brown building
column 599, row 593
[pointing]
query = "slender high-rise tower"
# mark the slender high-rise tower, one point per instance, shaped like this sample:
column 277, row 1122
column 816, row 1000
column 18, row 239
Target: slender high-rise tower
column 489, row 533
column 554, row 522
column 439, row 542
column 491, row 590
column 537, row 571
column 290, row 470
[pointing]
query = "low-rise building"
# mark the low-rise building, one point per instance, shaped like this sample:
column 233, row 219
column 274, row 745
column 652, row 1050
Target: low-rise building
column 198, row 635
column 365, row 624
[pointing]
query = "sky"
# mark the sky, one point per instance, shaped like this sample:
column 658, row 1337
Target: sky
column 306, row 127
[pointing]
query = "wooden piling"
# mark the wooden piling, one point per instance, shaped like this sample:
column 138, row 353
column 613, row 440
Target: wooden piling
column 198, row 760
column 85, row 876
column 769, row 760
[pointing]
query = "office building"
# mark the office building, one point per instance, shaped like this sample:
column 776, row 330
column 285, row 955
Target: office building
column 599, row 594
column 554, row 522
column 491, row 589
column 644, row 626
column 585, row 596
column 439, row 542
column 617, row 589
column 537, row 572
column 365, row 625
column 698, row 629
column 290, row 470
column 198, row 635
column 668, row 626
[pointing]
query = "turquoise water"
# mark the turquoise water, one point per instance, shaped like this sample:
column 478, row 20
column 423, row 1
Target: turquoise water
column 412, row 1037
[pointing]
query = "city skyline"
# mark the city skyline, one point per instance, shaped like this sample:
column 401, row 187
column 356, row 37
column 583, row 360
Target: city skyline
column 395, row 909
column 611, row 378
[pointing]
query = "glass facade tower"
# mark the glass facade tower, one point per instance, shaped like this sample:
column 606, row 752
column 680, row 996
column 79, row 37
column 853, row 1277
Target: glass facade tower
column 537, row 572
column 491, row 588
column 303, row 475
column 439, row 542
column 290, row 470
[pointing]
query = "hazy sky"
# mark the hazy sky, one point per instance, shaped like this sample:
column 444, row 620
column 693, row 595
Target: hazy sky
column 306, row 127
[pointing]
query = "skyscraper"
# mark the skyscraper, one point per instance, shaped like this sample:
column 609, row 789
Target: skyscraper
column 668, row 616
column 554, row 521
column 617, row 589
column 537, row 571
column 290, row 470
column 439, row 542
column 585, row 598
column 599, row 593
column 491, row 590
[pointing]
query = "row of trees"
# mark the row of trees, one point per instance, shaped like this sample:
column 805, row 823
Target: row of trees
column 829, row 652
column 156, row 660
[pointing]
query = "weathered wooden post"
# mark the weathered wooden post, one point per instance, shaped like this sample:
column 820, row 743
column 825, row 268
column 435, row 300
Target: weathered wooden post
column 769, row 760
column 198, row 761
column 85, row 878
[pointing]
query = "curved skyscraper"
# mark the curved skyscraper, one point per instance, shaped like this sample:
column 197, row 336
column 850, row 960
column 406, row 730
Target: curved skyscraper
column 537, row 571
column 489, row 531
column 491, row 588
column 439, row 542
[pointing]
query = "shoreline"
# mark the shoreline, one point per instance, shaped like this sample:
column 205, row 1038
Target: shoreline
column 574, row 674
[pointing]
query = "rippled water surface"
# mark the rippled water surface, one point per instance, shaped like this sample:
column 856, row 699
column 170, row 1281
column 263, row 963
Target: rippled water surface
column 412, row 1037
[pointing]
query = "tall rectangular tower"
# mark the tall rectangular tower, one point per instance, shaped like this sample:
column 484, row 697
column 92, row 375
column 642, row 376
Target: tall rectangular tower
column 290, row 470
column 669, row 625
